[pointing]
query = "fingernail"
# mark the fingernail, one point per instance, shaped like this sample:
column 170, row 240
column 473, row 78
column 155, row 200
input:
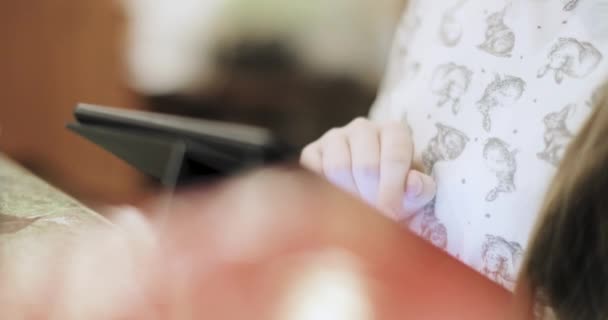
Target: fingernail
column 414, row 186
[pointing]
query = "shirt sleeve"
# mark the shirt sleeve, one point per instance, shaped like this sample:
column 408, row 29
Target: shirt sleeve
column 408, row 24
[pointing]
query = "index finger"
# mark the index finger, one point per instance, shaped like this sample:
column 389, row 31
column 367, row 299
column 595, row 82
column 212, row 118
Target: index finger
column 396, row 149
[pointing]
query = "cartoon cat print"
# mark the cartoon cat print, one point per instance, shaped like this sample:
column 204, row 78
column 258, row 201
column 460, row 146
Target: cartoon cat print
column 569, row 57
column 502, row 92
column 501, row 259
column 451, row 82
column 447, row 145
column 450, row 30
column 428, row 226
column 557, row 136
column 501, row 161
column 570, row 5
column 499, row 38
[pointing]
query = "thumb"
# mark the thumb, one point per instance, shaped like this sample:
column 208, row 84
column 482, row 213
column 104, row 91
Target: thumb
column 420, row 190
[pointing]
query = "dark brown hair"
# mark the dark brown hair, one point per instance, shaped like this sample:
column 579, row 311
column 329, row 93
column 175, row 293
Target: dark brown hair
column 567, row 262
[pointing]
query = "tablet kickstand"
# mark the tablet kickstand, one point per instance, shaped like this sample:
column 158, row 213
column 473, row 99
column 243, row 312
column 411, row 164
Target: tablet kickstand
column 170, row 180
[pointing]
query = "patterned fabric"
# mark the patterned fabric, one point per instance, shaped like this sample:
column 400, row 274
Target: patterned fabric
column 493, row 91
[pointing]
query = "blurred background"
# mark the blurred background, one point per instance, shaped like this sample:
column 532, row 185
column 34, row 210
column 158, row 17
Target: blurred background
column 297, row 67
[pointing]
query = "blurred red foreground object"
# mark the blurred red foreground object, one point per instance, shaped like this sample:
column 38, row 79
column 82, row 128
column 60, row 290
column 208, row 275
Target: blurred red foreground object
column 275, row 244
column 281, row 230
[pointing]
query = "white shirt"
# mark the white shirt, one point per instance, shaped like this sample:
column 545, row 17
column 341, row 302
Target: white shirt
column 493, row 91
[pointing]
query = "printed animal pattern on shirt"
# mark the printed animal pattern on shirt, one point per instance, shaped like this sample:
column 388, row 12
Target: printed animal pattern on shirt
column 501, row 260
column 448, row 144
column 451, row 82
column 500, row 159
column 536, row 69
column 451, row 29
column 499, row 38
column 427, row 225
column 569, row 57
column 502, row 92
column 557, row 136
column 570, row 5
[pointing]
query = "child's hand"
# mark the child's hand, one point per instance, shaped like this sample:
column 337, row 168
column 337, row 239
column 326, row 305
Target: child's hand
column 373, row 161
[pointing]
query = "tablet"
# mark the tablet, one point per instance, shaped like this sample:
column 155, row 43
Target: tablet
column 176, row 149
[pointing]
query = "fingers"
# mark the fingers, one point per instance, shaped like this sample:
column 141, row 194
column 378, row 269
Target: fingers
column 420, row 191
column 396, row 149
column 311, row 158
column 348, row 157
column 373, row 161
column 337, row 160
column 364, row 142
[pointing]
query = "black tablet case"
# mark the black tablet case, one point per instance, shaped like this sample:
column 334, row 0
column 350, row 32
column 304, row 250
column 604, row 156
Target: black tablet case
column 177, row 150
